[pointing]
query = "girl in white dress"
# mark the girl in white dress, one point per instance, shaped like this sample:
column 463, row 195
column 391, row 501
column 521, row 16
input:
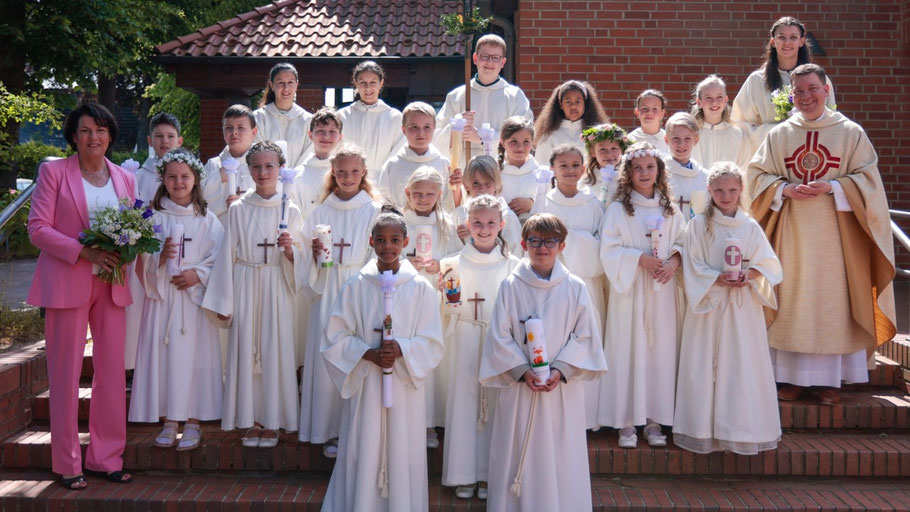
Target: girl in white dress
column 279, row 117
column 650, row 109
column 369, row 122
column 572, row 108
column 482, row 176
column 719, row 140
column 468, row 282
column 347, row 206
column 642, row 335
column 178, row 364
column 424, row 194
column 726, row 398
column 519, row 168
column 605, row 145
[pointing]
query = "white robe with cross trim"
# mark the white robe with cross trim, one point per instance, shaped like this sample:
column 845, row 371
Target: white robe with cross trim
column 469, row 407
column 178, row 365
column 382, row 449
column 351, row 221
column 684, row 181
column 642, row 331
column 726, row 398
column 555, row 474
column 255, row 284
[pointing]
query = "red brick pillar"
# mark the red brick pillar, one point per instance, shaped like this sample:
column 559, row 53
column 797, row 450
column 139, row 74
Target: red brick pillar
column 211, row 142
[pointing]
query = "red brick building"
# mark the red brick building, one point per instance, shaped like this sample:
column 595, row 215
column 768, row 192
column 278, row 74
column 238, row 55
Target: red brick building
column 620, row 47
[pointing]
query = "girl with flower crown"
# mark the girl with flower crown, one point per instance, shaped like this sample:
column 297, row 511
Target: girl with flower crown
column 572, row 107
column 178, row 363
column 605, row 144
column 641, row 238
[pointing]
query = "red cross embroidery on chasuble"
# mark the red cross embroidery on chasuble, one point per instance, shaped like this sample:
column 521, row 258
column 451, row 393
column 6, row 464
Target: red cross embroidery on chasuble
column 811, row 161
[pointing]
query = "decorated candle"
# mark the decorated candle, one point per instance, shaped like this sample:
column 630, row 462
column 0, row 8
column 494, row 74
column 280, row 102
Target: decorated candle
column 176, row 236
column 287, row 178
column 324, row 257
column 607, row 177
column 537, row 349
column 423, row 247
column 733, row 258
column 387, row 284
column 654, row 224
column 451, row 285
column 487, row 134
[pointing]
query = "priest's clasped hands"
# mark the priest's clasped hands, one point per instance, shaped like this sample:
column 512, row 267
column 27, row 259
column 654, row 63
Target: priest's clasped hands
column 809, row 190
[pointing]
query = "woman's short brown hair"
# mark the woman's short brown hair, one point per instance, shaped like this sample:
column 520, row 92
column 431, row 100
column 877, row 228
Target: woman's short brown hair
column 99, row 113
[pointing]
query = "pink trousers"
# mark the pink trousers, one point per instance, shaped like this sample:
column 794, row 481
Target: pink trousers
column 65, row 332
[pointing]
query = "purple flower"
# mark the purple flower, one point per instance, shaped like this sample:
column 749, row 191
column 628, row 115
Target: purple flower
column 82, row 235
column 147, row 213
column 122, row 207
column 124, row 239
column 138, row 203
column 156, row 228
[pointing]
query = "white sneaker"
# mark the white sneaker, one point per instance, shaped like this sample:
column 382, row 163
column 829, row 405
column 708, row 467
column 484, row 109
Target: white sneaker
column 432, row 438
column 464, row 491
column 654, row 437
column 628, row 440
column 330, row 449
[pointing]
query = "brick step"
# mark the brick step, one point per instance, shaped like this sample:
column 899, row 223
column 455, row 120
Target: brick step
column 862, row 409
column 836, row 454
column 898, row 350
column 38, row 491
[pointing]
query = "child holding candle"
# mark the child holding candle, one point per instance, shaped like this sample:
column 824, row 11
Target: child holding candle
column 467, row 280
column 519, row 168
column 418, row 124
column 642, row 336
column 482, row 176
column 724, row 354
column 432, row 237
column 605, row 144
column 539, row 454
column 239, row 128
column 256, row 274
column 688, row 178
column 348, row 208
column 582, row 212
column 572, row 108
column 372, row 124
column 382, row 456
column 650, row 109
column 178, row 365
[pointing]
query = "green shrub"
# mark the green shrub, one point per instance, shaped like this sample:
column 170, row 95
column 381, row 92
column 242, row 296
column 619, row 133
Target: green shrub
column 22, row 160
column 118, row 157
column 14, row 235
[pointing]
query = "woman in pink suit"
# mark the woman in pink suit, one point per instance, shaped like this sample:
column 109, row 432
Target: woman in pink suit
column 68, row 193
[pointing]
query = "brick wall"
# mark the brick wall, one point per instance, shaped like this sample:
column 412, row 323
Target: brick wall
column 625, row 47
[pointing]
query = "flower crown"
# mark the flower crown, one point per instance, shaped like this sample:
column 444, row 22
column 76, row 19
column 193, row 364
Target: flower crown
column 181, row 155
column 642, row 153
column 610, row 131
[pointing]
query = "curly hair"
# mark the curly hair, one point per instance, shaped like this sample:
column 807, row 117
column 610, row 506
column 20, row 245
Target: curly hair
column 552, row 115
column 389, row 216
column 661, row 183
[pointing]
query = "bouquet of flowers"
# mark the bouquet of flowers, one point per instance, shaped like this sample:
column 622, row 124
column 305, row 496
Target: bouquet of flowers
column 782, row 99
column 128, row 229
column 456, row 24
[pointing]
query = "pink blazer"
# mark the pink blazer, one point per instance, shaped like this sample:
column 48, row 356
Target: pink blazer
column 58, row 214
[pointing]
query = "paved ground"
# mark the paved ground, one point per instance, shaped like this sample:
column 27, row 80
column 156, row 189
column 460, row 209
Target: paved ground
column 15, row 280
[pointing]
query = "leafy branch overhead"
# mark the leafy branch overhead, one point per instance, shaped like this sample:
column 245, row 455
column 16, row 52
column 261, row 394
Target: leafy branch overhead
column 455, row 24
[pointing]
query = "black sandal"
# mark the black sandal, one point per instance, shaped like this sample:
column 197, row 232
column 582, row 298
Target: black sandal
column 72, row 483
column 117, row 477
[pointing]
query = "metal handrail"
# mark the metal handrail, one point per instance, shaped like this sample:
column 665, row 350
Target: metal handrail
column 11, row 209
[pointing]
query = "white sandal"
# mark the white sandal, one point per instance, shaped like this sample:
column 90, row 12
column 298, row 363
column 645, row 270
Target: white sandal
column 268, row 442
column 628, row 440
column 464, row 491
column 191, row 437
column 654, row 436
column 330, row 449
column 167, row 438
column 251, row 437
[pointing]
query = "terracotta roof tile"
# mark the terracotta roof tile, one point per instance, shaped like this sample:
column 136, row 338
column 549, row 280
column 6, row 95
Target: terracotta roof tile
column 326, row 28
